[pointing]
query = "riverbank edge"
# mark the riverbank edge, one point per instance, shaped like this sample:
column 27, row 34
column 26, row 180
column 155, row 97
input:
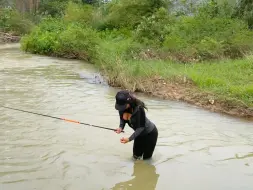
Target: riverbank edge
column 189, row 93
column 179, row 91
column 6, row 38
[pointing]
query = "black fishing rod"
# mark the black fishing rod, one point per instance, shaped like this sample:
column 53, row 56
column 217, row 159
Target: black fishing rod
column 64, row 119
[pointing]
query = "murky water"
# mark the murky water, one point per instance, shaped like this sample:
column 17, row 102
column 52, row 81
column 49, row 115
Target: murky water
column 196, row 150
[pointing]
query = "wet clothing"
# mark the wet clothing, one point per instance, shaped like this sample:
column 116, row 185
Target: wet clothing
column 138, row 122
column 145, row 145
column 145, row 132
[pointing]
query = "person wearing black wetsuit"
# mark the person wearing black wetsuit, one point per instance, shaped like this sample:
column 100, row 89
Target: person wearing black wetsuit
column 131, row 111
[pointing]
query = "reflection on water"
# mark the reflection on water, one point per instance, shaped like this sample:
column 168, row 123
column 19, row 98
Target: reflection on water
column 144, row 177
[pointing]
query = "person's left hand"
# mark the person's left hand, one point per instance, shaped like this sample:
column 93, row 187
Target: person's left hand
column 124, row 140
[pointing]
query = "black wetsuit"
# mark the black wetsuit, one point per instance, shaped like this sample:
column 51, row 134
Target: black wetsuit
column 145, row 135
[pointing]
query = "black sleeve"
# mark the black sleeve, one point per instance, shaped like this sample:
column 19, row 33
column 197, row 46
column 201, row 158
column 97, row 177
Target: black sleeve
column 140, row 122
column 122, row 123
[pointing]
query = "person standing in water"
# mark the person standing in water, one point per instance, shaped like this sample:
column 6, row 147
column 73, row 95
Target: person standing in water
column 131, row 111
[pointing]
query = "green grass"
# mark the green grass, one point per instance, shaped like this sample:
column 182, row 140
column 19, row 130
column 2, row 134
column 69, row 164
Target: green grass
column 230, row 79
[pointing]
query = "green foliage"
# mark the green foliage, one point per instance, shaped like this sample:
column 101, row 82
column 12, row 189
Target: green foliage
column 210, row 33
column 54, row 8
column 6, row 3
column 202, row 38
column 78, row 42
column 125, row 49
column 153, row 29
column 244, row 10
column 215, row 8
column 115, row 34
column 49, row 24
column 43, row 38
column 14, row 22
column 129, row 13
column 76, row 13
column 229, row 80
column 54, row 37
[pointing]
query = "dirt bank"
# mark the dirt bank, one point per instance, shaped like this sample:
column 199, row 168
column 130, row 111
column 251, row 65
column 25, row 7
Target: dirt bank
column 188, row 92
column 8, row 38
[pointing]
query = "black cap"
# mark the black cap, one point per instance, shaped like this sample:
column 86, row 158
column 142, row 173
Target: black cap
column 122, row 99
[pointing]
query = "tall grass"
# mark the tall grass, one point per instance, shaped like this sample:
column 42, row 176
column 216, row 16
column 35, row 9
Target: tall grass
column 230, row 80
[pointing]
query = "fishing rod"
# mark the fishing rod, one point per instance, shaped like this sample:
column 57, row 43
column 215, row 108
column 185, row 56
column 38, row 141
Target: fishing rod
column 64, row 119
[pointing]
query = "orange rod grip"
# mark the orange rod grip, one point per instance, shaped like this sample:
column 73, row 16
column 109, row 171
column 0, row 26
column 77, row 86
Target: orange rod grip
column 69, row 120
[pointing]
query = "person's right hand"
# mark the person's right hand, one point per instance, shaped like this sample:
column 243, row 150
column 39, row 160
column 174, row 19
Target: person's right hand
column 118, row 130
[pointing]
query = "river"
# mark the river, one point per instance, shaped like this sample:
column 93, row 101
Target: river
column 196, row 149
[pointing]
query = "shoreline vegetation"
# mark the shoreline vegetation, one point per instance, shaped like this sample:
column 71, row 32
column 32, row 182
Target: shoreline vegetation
column 200, row 54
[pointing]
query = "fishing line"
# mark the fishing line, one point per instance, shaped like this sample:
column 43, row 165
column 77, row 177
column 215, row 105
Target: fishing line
column 64, row 119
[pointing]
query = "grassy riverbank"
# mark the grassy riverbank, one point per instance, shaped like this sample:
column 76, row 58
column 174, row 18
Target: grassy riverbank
column 222, row 86
column 202, row 58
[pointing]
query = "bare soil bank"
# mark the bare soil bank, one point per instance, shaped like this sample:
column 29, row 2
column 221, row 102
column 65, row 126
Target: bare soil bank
column 8, row 38
column 187, row 92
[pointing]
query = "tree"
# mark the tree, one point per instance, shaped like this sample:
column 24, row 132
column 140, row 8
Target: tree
column 129, row 13
column 6, row 3
column 244, row 9
column 27, row 5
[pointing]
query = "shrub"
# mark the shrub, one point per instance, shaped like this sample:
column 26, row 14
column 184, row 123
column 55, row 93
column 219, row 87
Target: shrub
column 209, row 38
column 43, row 38
column 54, row 37
column 77, row 13
column 78, row 42
column 14, row 22
column 153, row 29
column 53, row 8
column 129, row 13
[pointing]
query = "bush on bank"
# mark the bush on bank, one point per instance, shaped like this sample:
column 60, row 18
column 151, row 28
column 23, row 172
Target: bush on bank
column 11, row 21
column 208, row 34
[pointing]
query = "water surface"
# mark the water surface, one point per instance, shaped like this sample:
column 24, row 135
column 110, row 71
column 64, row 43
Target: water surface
column 196, row 149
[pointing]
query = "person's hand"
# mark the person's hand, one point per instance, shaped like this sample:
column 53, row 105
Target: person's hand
column 124, row 140
column 118, row 130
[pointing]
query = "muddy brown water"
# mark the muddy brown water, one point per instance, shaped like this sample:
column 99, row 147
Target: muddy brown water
column 196, row 149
